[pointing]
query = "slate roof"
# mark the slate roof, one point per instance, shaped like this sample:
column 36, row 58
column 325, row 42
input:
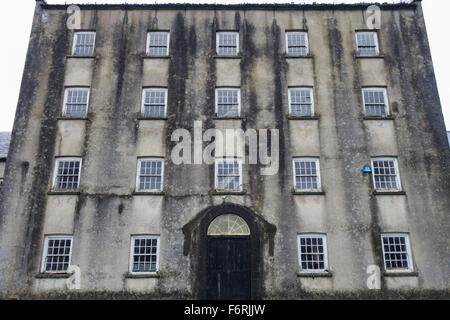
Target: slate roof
column 5, row 138
column 448, row 136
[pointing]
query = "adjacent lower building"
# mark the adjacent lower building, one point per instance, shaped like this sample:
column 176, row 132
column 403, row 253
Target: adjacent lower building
column 116, row 187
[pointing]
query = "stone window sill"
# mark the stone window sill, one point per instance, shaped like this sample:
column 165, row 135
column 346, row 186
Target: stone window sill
column 72, row 118
column 157, row 57
column 149, row 193
column 81, row 57
column 152, row 118
column 63, row 193
column 378, row 118
column 400, row 274
column 227, row 57
column 129, row 275
column 304, row 118
column 308, row 193
column 224, row 192
column 389, row 193
column 380, row 56
column 47, row 275
column 325, row 274
column 309, row 56
column 227, row 118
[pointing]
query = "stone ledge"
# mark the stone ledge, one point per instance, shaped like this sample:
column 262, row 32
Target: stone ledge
column 73, row 118
column 225, row 193
column 157, row 57
column 129, row 275
column 389, row 193
column 378, row 118
column 148, row 193
column 380, row 56
column 228, row 118
column 325, row 274
column 63, row 193
column 44, row 275
column 309, row 56
column 81, row 57
column 308, row 193
column 400, row 274
column 304, row 118
column 152, row 118
column 227, row 57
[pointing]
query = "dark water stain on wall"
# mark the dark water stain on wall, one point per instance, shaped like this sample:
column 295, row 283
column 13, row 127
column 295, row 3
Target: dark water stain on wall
column 36, row 202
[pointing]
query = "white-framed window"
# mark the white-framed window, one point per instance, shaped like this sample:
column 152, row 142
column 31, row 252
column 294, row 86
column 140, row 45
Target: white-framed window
column 375, row 102
column 227, row 43
column 154, row 102
column 67, row 173
column 396, row 252
column 83, row 43
column 312, row 252
column 228, row 102
column 297, row 43
column 307, row 174
column 57, row 253
column 144, row 254
column 150, row 174
column 385, row 174
column 301, row 102
column 76, row 101
column 367, row 43
column 228, row 174
column 158, row 43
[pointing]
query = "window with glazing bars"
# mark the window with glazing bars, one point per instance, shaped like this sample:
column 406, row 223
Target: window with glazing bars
column 227, row 43
column 297, row 43
column 83, row 44
column 67, row 173
column 150, row 174
column 228, row 174
column 76, row 102
column 154, row 102
column 396, row 252
column 301, row 102
column 367, row 43
column 158, row 43
column 312, row 252
column 227, row 102
column 144, row 254
column 57, row 252
column 375, row 102
column 385, row 174
column 307, row 174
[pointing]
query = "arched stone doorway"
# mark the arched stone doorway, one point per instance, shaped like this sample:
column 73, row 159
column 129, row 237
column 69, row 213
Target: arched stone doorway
column 228, row 264
column 239, row 236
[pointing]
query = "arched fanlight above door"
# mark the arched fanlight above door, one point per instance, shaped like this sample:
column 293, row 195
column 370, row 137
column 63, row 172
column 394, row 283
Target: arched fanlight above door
column 228, row 225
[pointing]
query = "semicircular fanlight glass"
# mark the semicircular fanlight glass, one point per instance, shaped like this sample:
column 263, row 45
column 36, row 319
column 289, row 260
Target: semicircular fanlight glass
column 228, row 225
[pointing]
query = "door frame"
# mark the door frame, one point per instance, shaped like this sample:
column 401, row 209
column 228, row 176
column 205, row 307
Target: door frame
column 229, row 237
column 255, row 247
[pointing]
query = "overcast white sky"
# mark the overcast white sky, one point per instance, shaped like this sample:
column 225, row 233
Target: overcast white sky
column 15, row 26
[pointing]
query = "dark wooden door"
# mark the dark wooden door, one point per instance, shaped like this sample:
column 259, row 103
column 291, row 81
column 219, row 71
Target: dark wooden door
column 229, row 267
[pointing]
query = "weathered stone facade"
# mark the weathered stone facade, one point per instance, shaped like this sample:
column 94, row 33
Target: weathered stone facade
column 105, row 211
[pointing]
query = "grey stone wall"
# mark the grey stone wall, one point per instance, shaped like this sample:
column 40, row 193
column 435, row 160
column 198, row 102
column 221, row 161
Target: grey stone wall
column 105, row 212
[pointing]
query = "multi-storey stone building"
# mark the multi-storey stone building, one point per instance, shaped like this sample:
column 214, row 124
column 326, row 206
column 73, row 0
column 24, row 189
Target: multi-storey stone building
column 94, row 204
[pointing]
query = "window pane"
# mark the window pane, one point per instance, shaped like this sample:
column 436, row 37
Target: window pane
column 158, row 42
column 145, row 255
column 227, row 102
column 58, row 254
column 228, row 175
column 84, row 43
column 312, row 252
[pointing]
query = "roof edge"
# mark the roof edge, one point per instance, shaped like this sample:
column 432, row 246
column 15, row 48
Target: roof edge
column 255, row 6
